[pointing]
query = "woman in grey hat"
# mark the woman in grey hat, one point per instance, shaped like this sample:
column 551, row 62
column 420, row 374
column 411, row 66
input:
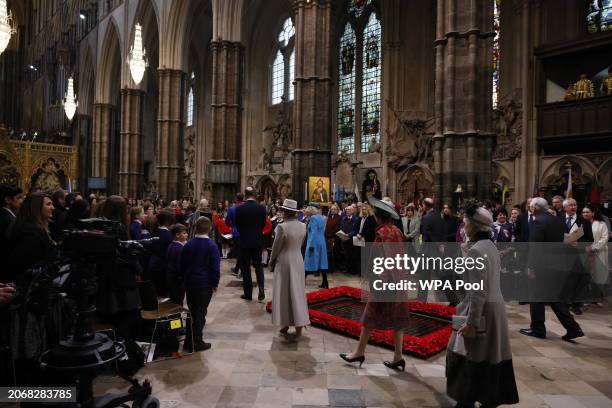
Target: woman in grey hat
column 479, row 359
column 289, row 305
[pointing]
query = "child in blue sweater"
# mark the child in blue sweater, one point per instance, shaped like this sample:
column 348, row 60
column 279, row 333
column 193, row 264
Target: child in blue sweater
column 200, row 265
column 174, row 277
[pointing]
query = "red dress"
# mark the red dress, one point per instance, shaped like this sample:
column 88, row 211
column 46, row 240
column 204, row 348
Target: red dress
column 387, row 315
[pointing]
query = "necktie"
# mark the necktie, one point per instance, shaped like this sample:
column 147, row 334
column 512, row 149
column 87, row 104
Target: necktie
column 569, row 222
column 530, row 219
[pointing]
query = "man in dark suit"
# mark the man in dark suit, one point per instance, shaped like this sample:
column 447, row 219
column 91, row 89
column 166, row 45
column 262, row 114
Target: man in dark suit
column 557, row 206
column 547, row 228
column 523, row 223
column 11, row 198
column 433, row 230
column 250, row 221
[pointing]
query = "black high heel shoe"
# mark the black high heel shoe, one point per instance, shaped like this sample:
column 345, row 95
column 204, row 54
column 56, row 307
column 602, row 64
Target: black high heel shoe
column 399, row 365
column 360, row 359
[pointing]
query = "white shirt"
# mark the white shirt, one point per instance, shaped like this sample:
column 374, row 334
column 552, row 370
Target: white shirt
column 202, row 236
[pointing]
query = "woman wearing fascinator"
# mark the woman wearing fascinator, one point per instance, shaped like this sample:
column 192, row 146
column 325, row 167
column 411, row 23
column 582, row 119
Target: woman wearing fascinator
column 479, row 360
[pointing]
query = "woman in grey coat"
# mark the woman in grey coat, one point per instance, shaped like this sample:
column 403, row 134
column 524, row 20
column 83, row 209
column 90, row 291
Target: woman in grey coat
column 479, row 359
column 289, row 305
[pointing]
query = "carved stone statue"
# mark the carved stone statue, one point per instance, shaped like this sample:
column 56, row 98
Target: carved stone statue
column 263, row 163
column 373, row 146
column 281, row 131
column 606, row 84
column 370, row 186
column 409, row 140
column 508, row 118
column 584, row 88
column 189, row 158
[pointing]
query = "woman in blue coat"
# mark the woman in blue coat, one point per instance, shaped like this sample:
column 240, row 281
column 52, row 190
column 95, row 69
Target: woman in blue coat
column 315, row 258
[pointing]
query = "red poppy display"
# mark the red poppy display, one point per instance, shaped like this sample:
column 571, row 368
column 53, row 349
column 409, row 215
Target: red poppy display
column 423, row 346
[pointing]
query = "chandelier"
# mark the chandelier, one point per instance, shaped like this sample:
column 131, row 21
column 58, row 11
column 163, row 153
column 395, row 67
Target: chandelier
column 70, row 103
column 6, row 29
column 136, row 59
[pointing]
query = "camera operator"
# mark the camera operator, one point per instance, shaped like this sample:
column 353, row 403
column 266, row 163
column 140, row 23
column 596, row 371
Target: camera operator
column 118, row 300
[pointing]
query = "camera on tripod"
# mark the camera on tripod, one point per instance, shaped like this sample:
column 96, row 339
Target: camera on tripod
column 82, row 356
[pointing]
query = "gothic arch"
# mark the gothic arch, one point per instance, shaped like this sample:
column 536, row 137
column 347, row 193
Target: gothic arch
column 87, row 78
column 554, row 169
column 108, row 61
column 147, row 15
column 415, row 184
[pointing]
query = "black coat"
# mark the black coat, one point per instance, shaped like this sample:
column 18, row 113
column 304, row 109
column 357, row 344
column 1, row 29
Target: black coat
column 250, row 221
column 521, row 228
column 6, row 220
column 432, row 227
column 28, row 245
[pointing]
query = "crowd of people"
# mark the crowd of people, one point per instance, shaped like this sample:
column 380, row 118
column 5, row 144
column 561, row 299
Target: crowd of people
column 295, row 241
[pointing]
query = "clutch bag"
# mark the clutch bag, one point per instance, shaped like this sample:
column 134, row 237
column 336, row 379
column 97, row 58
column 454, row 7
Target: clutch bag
column 459, row 321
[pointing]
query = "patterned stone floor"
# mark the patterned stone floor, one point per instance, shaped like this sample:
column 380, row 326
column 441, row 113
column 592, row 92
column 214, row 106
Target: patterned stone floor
column 250, row 366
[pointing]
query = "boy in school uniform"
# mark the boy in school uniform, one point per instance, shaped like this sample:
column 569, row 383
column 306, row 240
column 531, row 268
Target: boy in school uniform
column 174, row 277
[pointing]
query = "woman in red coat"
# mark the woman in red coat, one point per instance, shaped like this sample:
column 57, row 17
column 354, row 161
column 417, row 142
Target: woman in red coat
column 383, row 315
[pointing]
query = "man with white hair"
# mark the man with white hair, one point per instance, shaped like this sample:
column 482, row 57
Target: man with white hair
column 546, row 228
column 203, row 210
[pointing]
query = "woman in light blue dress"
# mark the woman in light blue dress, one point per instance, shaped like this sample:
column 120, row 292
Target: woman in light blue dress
column 315, row 257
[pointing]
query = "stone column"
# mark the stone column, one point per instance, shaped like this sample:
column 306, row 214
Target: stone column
column 130, row 160
column 102, row 117
column 464, row 139
column 170, row 128
column 82, row 131
column 313, row 88
column 223, row 171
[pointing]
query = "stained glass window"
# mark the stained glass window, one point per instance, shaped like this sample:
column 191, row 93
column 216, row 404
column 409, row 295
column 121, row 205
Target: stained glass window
column 190, row 107
column 599, row 16
column 278, row 78
column 291, row 74
column 283, row 67
column 496, row 54
column 370, row 104
column 346, row 91
column 359, row 79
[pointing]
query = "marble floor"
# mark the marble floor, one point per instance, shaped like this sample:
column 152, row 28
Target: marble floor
column 250, row 366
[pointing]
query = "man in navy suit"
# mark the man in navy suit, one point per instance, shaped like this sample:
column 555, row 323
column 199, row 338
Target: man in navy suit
column 547, row 228
column 250, row 221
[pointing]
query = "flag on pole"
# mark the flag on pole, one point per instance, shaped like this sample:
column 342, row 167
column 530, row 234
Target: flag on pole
column 536, row 187
column 569, row 193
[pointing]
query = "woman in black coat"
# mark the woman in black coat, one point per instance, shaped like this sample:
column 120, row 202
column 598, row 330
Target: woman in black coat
column 28, row 241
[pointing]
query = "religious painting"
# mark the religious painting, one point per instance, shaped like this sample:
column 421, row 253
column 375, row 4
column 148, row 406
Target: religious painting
column 49, row 176
column 318, row 189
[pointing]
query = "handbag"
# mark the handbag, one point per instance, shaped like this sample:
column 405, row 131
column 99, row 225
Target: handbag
column 459, row 321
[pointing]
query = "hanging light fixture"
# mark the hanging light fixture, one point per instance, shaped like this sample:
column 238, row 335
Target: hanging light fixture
column 6, row 28
column 70, row 102
column 136, row 59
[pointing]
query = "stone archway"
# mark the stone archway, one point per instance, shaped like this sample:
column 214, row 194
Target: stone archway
column 415, row 184
column 267, row 189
